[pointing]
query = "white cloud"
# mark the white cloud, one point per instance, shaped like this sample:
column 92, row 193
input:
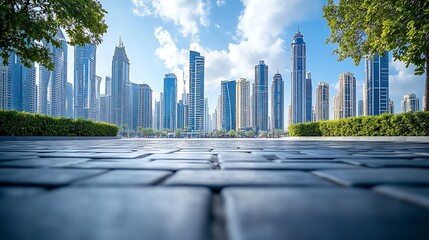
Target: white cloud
column 188, row 15
column 220, row 3
column 259, row 30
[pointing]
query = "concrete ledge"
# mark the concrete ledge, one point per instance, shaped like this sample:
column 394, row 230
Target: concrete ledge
column 53, row 138
column 361, row 139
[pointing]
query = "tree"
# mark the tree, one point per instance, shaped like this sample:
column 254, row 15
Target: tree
column 177, row 132
column 26, row 23
column 231, row 133
column 365, row 28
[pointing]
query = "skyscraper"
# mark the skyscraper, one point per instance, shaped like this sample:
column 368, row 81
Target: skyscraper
column 134, row 101
column 410, row 103
column 206, row 116
column 196, row 91
column 360, row 108
column 180, row 117
column 108, row 86
column 308, row 98
column 85, row 92
column 277, row 102
column 377, row 84
column 322, row 101
column 243, row 104
column 391, row 106
column 145, row 106
column 345, row 101
column 119, row 106
column 170, row 101
column 228, row 93
column 53, row 84
column 104, row 108
column 4, row 86
column 69, row 101
column 98, row 80
column 260, row 97
column 298, row 79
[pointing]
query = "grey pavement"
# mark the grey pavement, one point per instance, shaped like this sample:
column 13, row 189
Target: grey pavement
column 213, row 189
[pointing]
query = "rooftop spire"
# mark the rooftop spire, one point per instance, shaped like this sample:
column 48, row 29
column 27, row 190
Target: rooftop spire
column 121, row 44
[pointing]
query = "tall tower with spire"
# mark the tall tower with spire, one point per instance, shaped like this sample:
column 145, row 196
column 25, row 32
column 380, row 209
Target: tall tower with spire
column 119, row 100
column 298, row 79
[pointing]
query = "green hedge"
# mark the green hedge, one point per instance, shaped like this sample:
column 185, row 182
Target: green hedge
column 405, row 124
column 13, row 123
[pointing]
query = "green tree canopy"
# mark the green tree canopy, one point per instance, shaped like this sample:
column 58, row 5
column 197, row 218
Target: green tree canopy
column 26, row 23
column 363, row 28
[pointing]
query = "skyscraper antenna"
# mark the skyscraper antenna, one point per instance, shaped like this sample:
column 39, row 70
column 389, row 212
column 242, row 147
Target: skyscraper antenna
column 298, row 28
column 121, row 44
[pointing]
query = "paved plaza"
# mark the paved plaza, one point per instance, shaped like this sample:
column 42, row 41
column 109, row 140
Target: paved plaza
column 197, row 189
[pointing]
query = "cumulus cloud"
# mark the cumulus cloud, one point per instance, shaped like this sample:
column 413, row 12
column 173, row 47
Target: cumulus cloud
column 188, row 15
column 258, row 36
column 220, row 3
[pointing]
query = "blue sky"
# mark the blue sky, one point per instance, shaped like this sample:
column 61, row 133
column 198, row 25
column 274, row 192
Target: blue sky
column 232, row 35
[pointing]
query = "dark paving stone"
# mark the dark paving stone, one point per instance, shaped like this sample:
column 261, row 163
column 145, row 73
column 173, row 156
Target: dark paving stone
column 47, row 177
column 182, row 156
column 220, row 179
column 320, row 213
column 19, row 192
column 182, row 161
column 195, row 150
column 137, row 154
column 308, row 161
column 304, row 157
column 371, row 177
column 172, row 166
column 241, row 157
column 44, row 162
column 389, row 163
column 126, row 177
column 109, row 214
column 416, row 195
column 284, row 166
column 66, row 155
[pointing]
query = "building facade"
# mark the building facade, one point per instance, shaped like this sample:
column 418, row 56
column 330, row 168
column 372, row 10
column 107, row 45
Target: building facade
column 228, row 94
column 308, row 98
column 298, row 79
column 196, row 92
column 277, row 102
column 345, row 100
column 119, row 98
column 134, row 101
column 85, row 91
column 243, row 104
column 145, row 106
column 391, row 106
column 377, row 84
column 260, row 97
column 322, row 101
column 69, row 101
column 410, row 103
column 170, row 102
column 360, row 108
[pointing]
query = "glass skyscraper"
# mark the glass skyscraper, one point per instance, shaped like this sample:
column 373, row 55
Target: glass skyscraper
column 85, row 92
column 410, row 103
column 345, row 101
column 170, row 101
column 134, row 101
column 145, row 106
column 308, row 98
column 322, row 101
column 377, row 84
column 69, row 100
column 228, row 94
column 260, row 97
column 277, row 102
column 196, row 92
column 298, row 79
column 119, row 99
column 243, row 104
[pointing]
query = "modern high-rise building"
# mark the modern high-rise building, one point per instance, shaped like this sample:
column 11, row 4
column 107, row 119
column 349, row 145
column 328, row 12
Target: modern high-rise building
column 108, row 86
column 243, row 104
column 277, row 102
column 298, row 79
column 228, row 93
column 410, row 103
column 145, row 106
column 134, row 101
column 196, row 91
column 391, row 106
column 322, row 101
column 119, row 105
column 219, row 110
column 377, row 84
column 206, row 116
column 98, row 81
column 360, row 108
column 260, row 97
column 170, row 101
column 85, row 92
column 69, row 101
column 157, row 122
column 180, row 117
column 345, row 100
column 4, row 86
column 104, row 108
column 308, row 98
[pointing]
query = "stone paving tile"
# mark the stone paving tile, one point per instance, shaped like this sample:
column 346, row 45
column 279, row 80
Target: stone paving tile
column 19, row 192
column 182, row 161
column 416, row 195
column 389, row 163
column 44, row 162
column 44, row 177
column 125, row 177
column 371, row 177
column 182, row 156
column 320, row 213
column 143, row 165
column 240, row 157
column 109, row 214
column 220, row 179
column 284, row 166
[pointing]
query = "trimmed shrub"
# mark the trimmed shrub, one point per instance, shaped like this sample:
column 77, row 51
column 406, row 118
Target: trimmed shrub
column 13, row 123
column 405, row 124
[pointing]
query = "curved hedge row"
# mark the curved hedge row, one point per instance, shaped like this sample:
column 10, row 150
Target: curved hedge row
column 405, row 124
column 13, row 123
